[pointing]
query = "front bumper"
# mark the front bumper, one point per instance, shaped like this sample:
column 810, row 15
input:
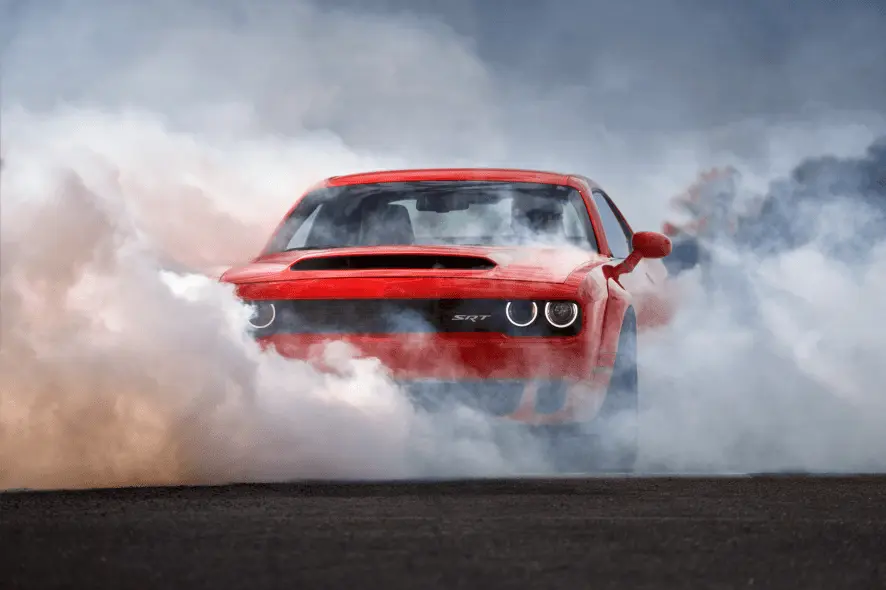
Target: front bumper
column 529, row 380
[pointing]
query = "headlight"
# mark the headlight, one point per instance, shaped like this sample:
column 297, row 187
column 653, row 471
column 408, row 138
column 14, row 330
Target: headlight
column 561, row 314
column 521, row 313
column 263, row 314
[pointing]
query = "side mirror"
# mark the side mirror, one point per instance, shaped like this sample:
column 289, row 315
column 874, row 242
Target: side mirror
column 645, row 244
column 651, row 244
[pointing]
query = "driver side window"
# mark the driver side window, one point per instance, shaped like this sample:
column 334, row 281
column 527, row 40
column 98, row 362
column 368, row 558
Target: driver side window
column 619, row 242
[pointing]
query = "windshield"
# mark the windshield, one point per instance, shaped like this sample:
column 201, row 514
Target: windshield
column 437, row 213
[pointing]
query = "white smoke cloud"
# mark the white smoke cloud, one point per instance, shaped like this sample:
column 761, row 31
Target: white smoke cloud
column 115, row 371
column 779, row 369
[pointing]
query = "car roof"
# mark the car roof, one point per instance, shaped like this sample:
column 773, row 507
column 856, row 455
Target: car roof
column 480, row 174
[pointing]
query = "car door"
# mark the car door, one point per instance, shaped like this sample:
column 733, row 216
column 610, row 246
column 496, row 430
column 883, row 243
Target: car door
column 647, row 283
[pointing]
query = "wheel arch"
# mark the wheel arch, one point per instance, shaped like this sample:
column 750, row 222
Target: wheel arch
column 619, row 306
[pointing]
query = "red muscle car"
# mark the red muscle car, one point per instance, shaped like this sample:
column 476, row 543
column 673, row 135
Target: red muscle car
column 519, row 293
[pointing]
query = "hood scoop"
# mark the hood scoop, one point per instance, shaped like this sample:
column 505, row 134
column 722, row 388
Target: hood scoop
column 394, row 262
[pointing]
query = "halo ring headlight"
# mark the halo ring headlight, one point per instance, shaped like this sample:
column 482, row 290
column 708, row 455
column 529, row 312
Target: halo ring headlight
column 256, row 319
column 563, row 317
column 519, row 324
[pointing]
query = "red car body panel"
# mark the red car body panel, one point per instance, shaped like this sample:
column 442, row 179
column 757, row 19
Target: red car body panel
column 584, row 361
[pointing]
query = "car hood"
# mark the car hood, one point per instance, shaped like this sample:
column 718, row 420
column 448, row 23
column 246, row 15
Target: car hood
column 534, row 264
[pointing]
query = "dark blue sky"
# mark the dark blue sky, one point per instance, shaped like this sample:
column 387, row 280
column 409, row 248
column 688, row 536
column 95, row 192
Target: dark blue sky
column 704, row 60
column 698, row 61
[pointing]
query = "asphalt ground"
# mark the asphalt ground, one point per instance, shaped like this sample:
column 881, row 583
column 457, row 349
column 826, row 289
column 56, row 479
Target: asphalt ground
column 663, row 533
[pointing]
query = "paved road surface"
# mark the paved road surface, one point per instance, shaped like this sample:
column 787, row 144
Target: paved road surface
column 779, row 532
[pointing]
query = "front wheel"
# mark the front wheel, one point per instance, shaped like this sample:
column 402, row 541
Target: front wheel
column 609, row 442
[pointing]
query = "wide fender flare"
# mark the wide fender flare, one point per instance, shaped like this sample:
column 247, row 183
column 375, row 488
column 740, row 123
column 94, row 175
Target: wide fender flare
column 609, row 302
column 618, row 302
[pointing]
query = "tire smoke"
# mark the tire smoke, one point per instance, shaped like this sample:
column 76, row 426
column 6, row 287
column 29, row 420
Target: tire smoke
column 118, row 368
column 775, row 360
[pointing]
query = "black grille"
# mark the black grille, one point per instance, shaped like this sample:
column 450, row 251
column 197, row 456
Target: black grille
column 404, row 316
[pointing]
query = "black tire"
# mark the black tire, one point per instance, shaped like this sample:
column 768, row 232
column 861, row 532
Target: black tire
column 610, row 442
column 617, row 424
